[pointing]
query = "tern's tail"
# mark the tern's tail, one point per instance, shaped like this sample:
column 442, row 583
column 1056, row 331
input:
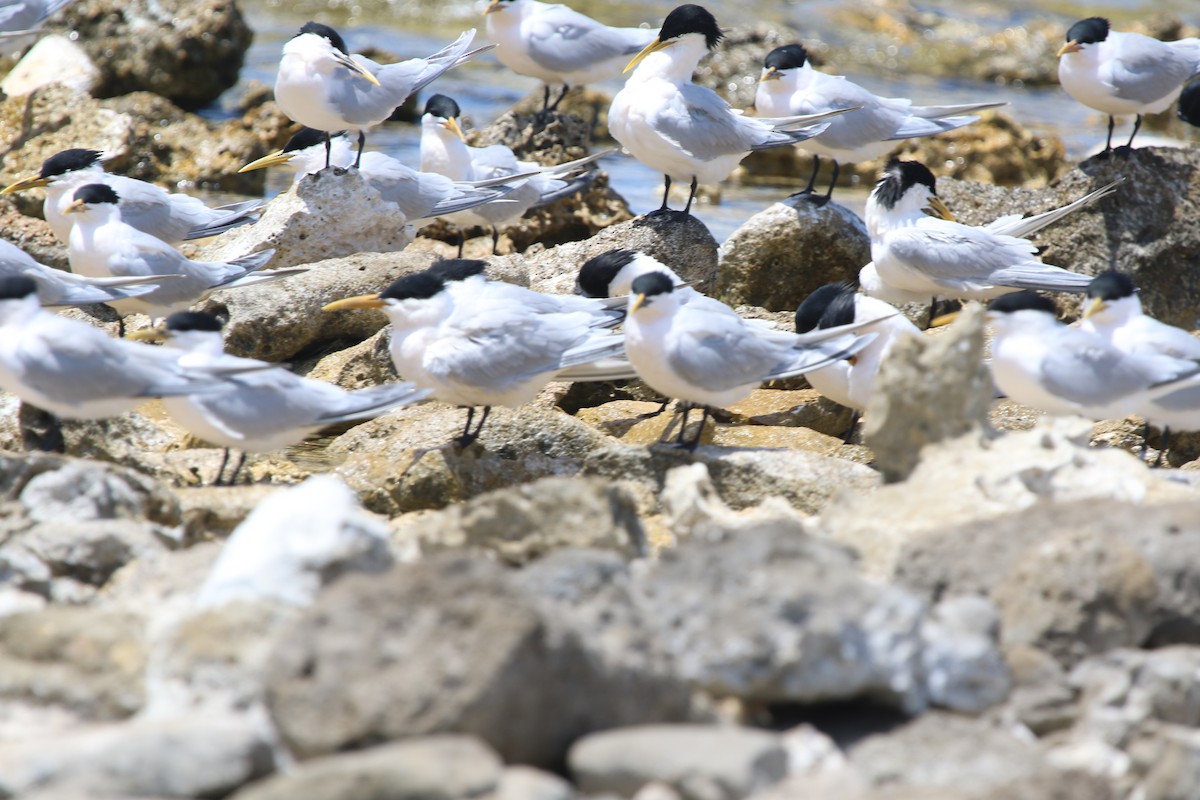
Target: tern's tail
column 937, row 112
column 236, row 215
column 1015, row 225
column 604, row 369
column 239, row 268
column 913, row 127
column 1041, row 277
column 822, row 354
column 568, row 188
column 468, row 197
column 373, row 401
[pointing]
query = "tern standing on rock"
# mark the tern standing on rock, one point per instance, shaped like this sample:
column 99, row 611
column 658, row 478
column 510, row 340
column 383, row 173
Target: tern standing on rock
column 555, row 44
column 321, row 86
column 789, row 85
column 686, row 131
column 1124, row 73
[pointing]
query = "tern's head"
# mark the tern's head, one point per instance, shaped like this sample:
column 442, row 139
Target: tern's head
column 1092, row 30
column 305, row 152
column 94, row 198
column 689, row 29
column 499, row 6
column 58, row 166
column 452, row 270
column 908, row 188
column 323, row 50
column 416, row 299
column 442, row 112
column 652, row 294
column 612, row 274
column 1111, row 298
column 828, row 307
column 1189, row 104
column 1021, row 310
column 193, row 331
column 782, row 61
column 18, row 299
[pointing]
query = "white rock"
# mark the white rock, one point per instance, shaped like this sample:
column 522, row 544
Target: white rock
column 963, row 667
column 54, row 59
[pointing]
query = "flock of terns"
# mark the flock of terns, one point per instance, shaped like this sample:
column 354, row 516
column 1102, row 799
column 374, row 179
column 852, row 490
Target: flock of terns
column 463, row 339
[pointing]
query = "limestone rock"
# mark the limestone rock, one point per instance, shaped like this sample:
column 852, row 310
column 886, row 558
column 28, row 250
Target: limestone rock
column 964, row 669
column 54, row 59
column 781, row 255
column 928, row 389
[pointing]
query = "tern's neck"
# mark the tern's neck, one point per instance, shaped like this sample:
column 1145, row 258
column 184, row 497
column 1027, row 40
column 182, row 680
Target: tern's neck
column 1118, row 312
column 908, row 210
column 675, row 63
column 444, row 153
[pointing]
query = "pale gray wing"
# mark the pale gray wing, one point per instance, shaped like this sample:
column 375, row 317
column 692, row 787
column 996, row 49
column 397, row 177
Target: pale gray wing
column 361, row 102
column 496, row 349
column 263, row 404
column 563, row 40
column 718, row 354
column 956, row 256
column 1145, row 69
column 148, row 208
column 494, row 161
column 1085, row 370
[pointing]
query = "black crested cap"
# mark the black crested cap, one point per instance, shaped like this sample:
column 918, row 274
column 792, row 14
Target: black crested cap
column 1111, row 285
column 14, row 287
column 442, row 106
column 899, row 177
column 691, row 18
column 829, row 306
column 306, row 138
column 417, row 286
column 1023, row 301
column 69, row 161
column 182, row 321
column 790, row 56
column 1189, row 104
column 93, row 193
column 325, row 32
column 653, row 283
column 596, row 274
column 1088, row 31
column 457, row 269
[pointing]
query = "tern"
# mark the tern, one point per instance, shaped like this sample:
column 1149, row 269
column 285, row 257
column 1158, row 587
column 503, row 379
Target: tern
column 103, row 245
column 480, row 354
column 268, row 407
column 685, row 131
column 712, row 359
column 77, row 371
column 445, row 151
column 172, row 217
column 920, row 252
column 1124, row 73
column 1041, row 363
column 556, row 45
column 420, row 196
column 789, row 85
column 320, row 85
column 56, row 287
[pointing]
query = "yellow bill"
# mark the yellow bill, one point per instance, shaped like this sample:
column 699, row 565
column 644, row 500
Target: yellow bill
column 653, row 47
column 1070, row 47
column 361, row 301
column 940, row 209
column 269, row 160
column 32, row 182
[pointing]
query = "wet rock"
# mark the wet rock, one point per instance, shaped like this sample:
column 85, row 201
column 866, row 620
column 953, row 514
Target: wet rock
column 54, row 59
column 473, row 644
column 86, row 660
column 147, row 136
column 282, row 319
column 189, row 52
column 928, row 389
column 526, row 522
column 330, row 214
column 681, row 242
column 194, row 756
column 293, row 542
column 407, row 461
column 781, row 255
column 772, row 615
column 968, row 486
column 700, row 762
column 1134, row 228
column 428, row 768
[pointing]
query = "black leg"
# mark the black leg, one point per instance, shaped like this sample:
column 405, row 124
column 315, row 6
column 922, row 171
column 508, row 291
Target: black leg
column 1163, row 443
column 328, row 148
column 1108, row 141
column 812, row 179
column 362, row 142
column 462, row 240
column 1137, row 125
column 695, row 442
column 561, row 95
column 691, row 196
column 545, row 99
column 495, row 241
column 666, row 191
column 1145, row 440
column 466, row 439
column 121, row 328
column 241, row 462
column 684, row 410
column 854, row 417
column 832, row 183
column 932, row 313
column 221, row 469
column 652, row 414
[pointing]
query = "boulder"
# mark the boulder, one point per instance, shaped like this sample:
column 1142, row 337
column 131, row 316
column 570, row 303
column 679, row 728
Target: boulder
column 781, row 255
column 54, row 59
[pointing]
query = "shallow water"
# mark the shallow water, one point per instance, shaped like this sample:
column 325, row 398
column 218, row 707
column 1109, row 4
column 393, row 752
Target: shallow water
column 484, row 89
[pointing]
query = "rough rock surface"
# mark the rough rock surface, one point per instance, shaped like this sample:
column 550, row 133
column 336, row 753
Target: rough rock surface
column 781, row 255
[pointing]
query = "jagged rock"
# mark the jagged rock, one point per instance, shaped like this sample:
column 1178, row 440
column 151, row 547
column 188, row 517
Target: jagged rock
column 279, row 320
column 425, row 768
column 365, row 364
column 781, row 255
column 527, row 522
column 147, row 137
column 189, row 52
column 928, row 389
column 329, row 214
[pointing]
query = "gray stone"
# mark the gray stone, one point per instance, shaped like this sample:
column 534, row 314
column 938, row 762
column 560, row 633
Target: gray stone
column 528, row 521
column 333, row 213
column 200, row 755
column 186, row 51
column 277, row 320
column 773, row 615
column 963, row 668
column 781, row 255
column 76, row 490
column 429, row 768
column 449, row 645
column 92, row 551
column 527, row 783
column 701, row 762
column 928, row 389
column 84, row 659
